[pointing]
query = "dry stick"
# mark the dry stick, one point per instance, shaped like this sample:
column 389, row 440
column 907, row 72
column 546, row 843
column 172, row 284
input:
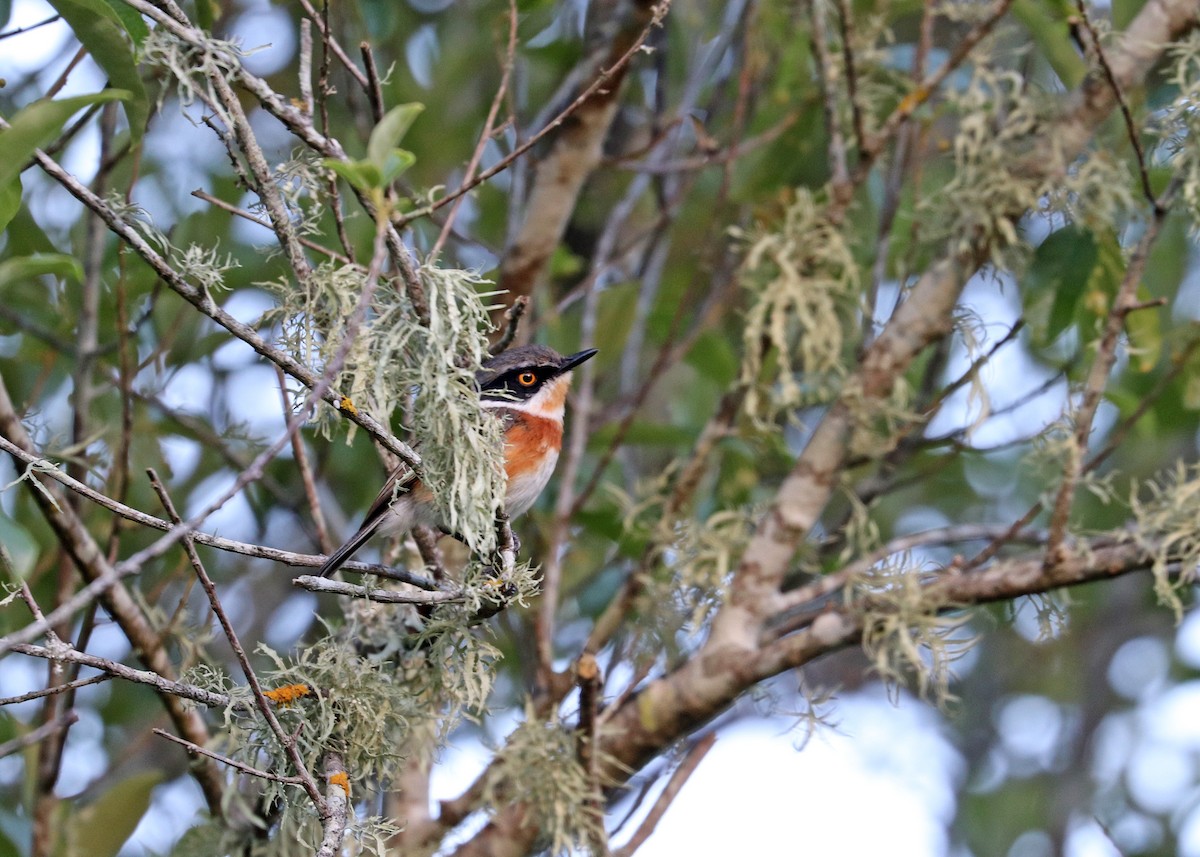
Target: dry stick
column 384, row 596
column 108, row 576
column 512, row 319
column 373, row 87
column 723, row 159
column 306, row 477
column 246, row 215
column 63, row 653
column 62, row 688
column 600, row 81
column 587, row 676
column 202, row 301
column 1130, row 127
column 1097, row 380
column 87, row 335
column 44, row 468
column 46, row 730
column 489, row 125
column 265, row 187
column 196, row 749
column 686, row 483
column 7, row 34
column 679, row 778
column 103, row 582
column 260, row 700
column 204, row 434
column 332, row 43
column 325, row 90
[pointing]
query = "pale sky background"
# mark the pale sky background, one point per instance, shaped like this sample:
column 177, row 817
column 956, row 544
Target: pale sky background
column 881, row 781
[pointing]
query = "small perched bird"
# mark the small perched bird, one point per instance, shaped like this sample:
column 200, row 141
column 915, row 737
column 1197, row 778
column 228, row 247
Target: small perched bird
column 526, row 389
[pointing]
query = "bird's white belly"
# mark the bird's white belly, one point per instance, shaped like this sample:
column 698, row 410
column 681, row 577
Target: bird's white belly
column 522, row 493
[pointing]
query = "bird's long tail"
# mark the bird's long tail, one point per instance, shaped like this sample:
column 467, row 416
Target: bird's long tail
column 339, row 556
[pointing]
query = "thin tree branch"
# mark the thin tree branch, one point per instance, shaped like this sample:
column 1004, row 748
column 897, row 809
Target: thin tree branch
column 260, row 700
column 225, row 760
column 49, row 729
column 1131, row 128
column 679, row 777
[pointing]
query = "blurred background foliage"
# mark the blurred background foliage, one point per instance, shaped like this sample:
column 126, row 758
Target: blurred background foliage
column 1073, row 710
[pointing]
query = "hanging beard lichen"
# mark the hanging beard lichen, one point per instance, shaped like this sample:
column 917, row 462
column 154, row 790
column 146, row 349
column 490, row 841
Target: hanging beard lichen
column 395, row 361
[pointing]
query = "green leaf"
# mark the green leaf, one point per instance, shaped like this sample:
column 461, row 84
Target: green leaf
column 395, row 165
column 101, row 828
column 25, row 237
column 1046, row 24
column 38, row 124
column 27, row 267
column 714, row 357
column 5, row 12
column 363, row 175
column 10, row 201
column 386, row 136
column 1062, row 266
column 206, row 14
column 106, row 37
column 132, row 21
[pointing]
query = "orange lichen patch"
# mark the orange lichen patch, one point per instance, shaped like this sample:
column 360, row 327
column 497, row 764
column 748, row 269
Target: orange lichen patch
column 341, row 779
column 348, row 406
column 913, row 100
column 287, row 694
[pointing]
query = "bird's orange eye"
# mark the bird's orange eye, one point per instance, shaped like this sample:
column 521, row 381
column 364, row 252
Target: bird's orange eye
column 527, row 379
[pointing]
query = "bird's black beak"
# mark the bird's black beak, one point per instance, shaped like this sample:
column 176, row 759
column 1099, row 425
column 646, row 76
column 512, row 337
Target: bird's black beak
column 574, row 360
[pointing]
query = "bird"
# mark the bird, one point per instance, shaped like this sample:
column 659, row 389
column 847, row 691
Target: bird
column 526, row 389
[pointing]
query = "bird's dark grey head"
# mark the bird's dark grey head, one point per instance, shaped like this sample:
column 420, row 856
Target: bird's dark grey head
column 520, row 372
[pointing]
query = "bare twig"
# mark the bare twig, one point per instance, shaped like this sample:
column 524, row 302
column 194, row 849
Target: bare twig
column 306, row 477
column 384, row 596
column 601, row 80
column 43, row 468
column 333, row 45
column 7, row 34
column 65, row 654
column 512, row 318
column 1106, row 356
column 264, row 706
column 225, row 760
column 373, row 87
column 1130, row 127
column 679, row 777
column 41, row 733
column 489, row 125
column 49, row 691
